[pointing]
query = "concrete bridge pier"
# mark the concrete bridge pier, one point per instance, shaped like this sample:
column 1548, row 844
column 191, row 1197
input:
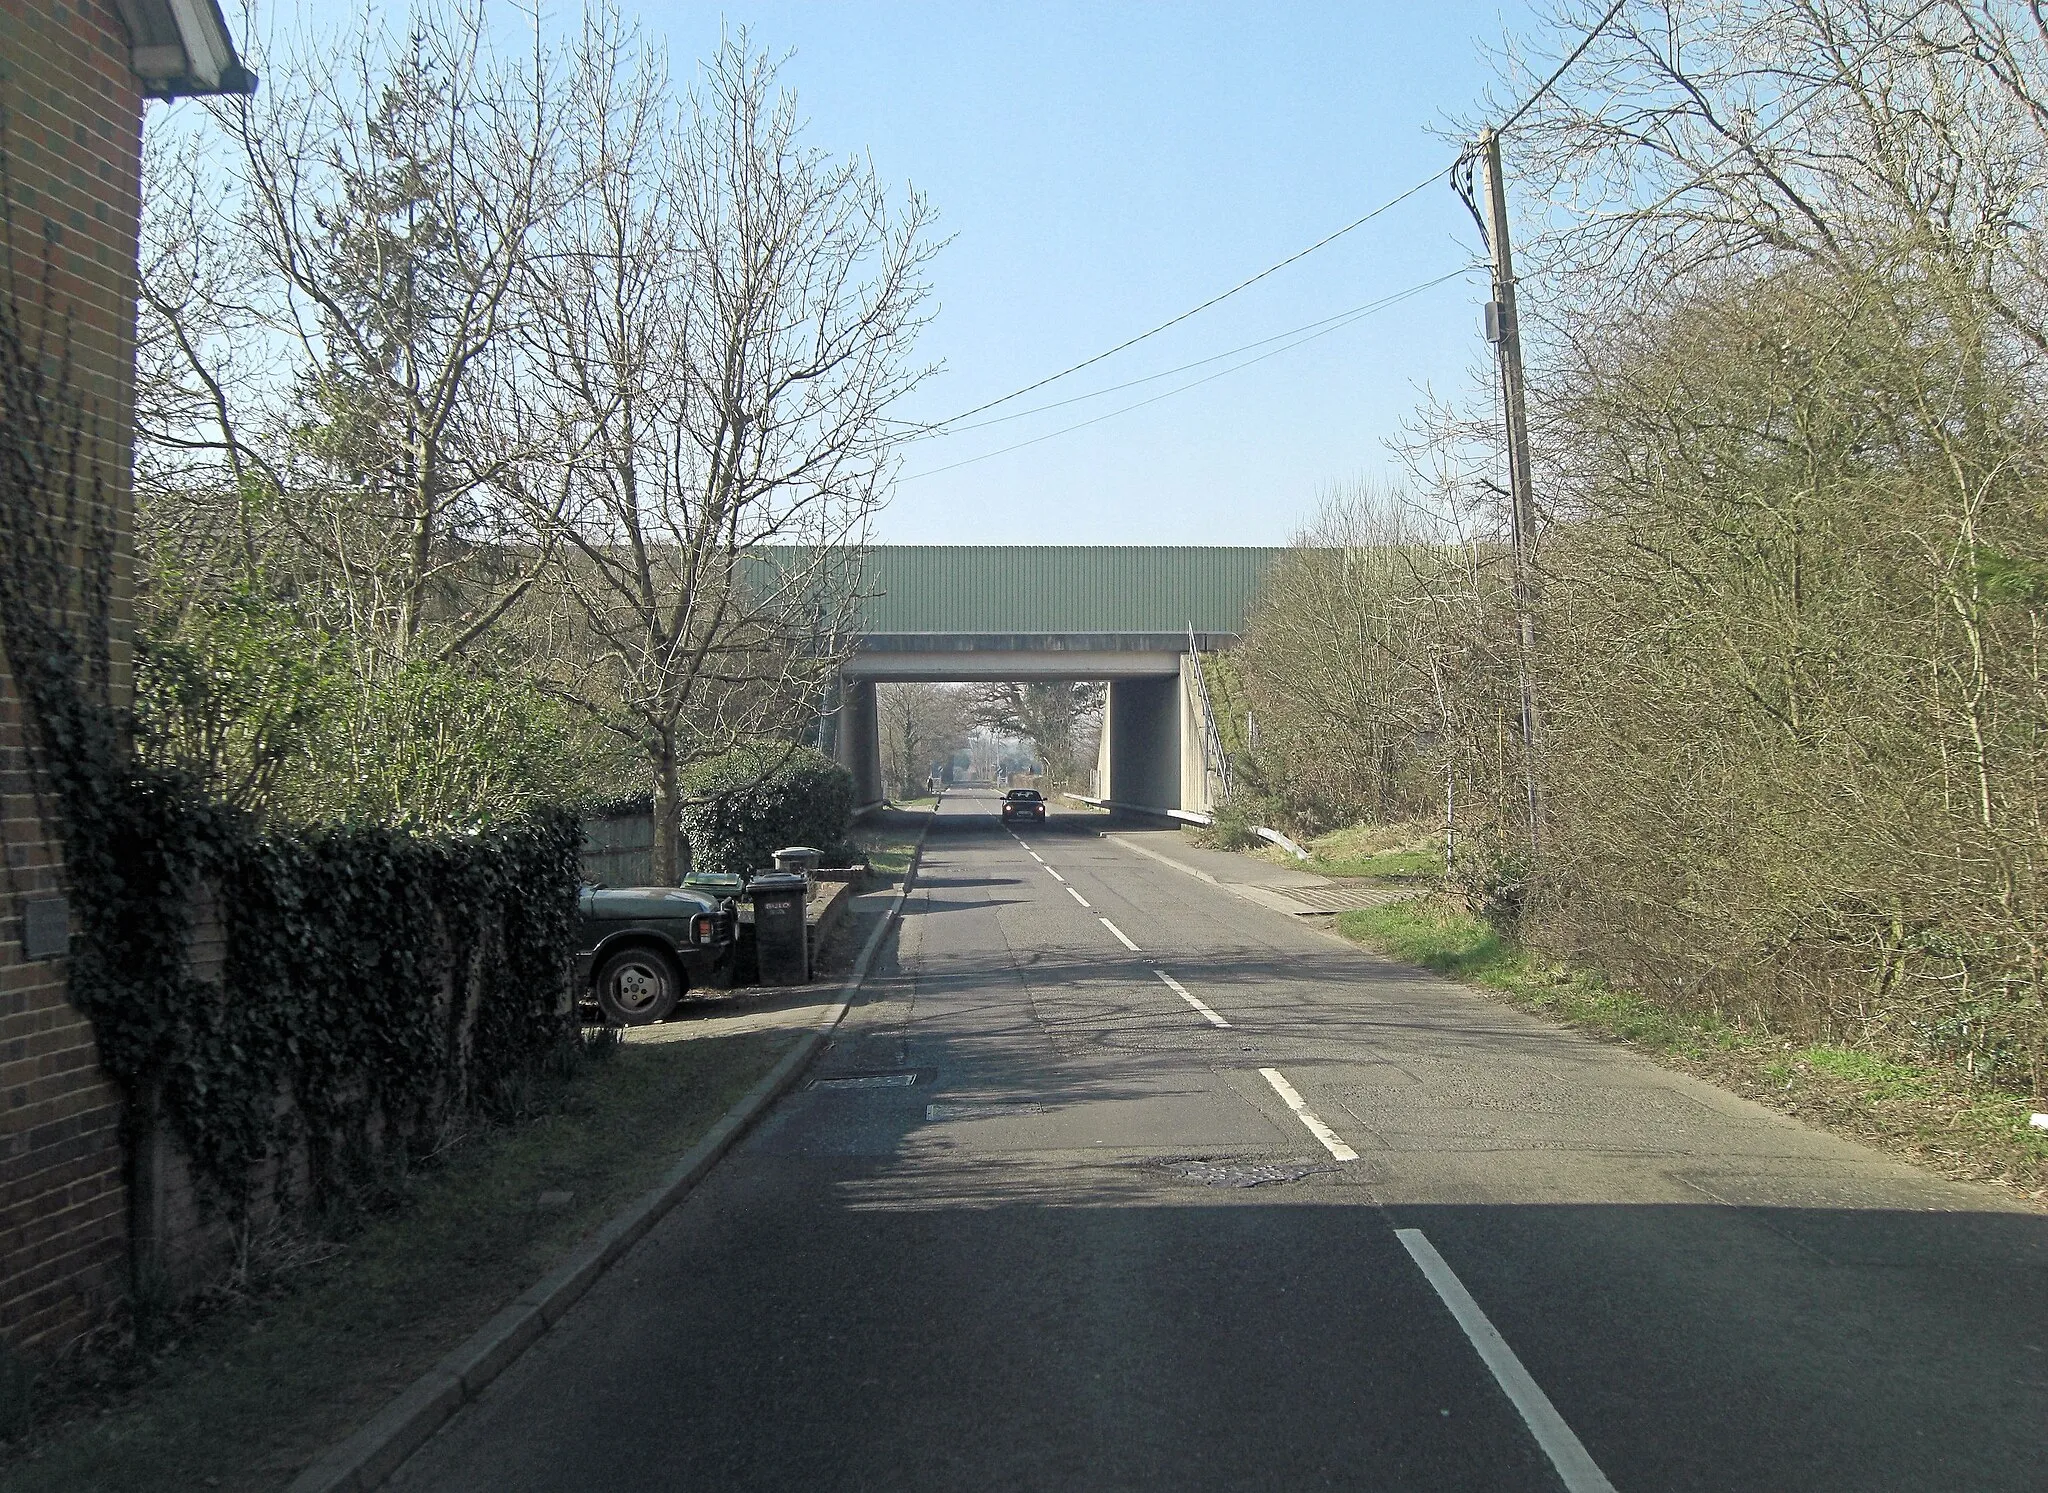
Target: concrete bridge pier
column 1152, row 755
column 1138, row 762
column 857, row 741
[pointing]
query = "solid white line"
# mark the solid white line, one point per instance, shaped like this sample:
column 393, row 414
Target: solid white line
column 1182, row 991
column 1303, row 1113
column 1055, row 875
column 1078, row 897
column 1575, row 1467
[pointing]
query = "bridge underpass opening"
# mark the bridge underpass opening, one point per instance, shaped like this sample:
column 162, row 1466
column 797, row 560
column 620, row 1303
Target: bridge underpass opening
column 1148, row 755
column 1137, row 618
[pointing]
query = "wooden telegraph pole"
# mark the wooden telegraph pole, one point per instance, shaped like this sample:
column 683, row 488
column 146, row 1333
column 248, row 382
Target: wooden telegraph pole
column 1504, row 331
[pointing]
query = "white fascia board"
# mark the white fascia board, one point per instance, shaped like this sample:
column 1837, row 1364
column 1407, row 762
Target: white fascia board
column 208, row 53
column 180, row 48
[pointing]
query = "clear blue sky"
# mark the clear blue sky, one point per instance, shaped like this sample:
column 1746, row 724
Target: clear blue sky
column 1105, row 166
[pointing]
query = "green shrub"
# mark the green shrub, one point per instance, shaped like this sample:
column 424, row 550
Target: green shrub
column 1231, row 826
column 742, row 807
column 297, row 727
column 1493, row 877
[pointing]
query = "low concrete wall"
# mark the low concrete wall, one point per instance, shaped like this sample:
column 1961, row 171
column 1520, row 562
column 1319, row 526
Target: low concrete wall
column 832, row 892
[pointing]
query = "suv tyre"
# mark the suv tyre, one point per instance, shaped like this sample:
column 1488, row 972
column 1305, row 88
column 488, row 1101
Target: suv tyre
column 637, row 986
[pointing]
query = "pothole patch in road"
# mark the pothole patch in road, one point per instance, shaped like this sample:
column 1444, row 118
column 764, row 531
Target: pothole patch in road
column 980, row 1111
column 1224, row 1172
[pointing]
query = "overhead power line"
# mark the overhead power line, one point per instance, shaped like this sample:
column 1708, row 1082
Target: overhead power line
column 1551, row 82
column 1337, row 324
column 1214, row 300
column 944, row 427
column 1153, row 378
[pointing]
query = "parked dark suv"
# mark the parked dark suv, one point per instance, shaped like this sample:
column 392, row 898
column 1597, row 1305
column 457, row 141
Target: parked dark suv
column 1023, row 803
column 639, row 949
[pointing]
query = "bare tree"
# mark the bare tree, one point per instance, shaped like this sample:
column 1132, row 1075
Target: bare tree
column 920, row 724
column 390, row 192
column 202, row 371
column 1058, row 717
column 730, row 318
column 1785, row 289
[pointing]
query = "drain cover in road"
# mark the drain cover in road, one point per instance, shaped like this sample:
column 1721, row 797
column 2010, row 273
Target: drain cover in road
column 979, row 1111
column 1244, row 1173
column 867, row 1081
column 1346, row 897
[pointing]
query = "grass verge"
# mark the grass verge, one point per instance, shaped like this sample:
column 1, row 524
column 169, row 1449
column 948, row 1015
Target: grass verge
column 1929, row 1115
column 1390, row 865
column 255, row 1390
column 888, row 836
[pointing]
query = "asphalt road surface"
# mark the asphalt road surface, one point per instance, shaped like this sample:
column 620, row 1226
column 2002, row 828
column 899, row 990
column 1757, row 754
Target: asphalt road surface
column 1115, row 1180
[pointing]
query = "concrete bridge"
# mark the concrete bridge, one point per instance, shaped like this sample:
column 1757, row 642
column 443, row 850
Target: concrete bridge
column 1137, row 617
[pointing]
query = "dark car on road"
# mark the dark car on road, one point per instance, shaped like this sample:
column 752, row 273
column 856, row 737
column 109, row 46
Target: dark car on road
column 640, row 949
column 1023, row 803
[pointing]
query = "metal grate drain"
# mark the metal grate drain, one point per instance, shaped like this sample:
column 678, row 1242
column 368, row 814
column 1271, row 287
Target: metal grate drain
column 1245, row 1173
column 1346, row 896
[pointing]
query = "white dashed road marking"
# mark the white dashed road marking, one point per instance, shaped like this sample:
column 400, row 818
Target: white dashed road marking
column 1182, row 991
column 1303, row 1113
column 1055, row 875
column 1575, row 1466
column 1077, row 896
column 1121, row 937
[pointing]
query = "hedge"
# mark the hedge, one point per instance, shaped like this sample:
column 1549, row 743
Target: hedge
column 742, row 807
column 383, row 982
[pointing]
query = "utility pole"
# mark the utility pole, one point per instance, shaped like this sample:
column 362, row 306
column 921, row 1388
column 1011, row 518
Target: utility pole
column 1503, row 329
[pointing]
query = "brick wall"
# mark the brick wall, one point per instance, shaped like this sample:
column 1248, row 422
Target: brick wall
column 72, row 115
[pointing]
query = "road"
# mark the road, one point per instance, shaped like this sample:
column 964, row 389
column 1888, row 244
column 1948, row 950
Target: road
column 1116, row 1180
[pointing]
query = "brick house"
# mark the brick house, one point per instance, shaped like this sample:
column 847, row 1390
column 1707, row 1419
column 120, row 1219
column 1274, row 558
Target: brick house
column 74, row 77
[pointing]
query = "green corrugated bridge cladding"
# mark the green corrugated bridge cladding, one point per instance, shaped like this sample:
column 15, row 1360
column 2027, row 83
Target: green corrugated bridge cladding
column 1059, row 588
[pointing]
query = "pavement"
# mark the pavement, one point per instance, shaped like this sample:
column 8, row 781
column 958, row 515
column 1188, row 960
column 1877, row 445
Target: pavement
column 1116, row 1179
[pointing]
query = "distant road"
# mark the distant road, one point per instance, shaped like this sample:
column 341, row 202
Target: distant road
column 1114, row 1180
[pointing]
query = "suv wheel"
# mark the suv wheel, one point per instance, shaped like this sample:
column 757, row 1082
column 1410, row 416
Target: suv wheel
column 637, row 987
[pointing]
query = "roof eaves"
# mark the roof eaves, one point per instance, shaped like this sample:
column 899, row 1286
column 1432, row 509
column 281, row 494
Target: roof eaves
column 182, row 49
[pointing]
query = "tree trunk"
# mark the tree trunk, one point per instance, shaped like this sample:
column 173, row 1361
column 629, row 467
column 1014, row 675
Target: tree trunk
column 671, row 850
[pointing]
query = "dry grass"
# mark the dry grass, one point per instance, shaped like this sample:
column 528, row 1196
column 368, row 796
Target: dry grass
column 1406, row 850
